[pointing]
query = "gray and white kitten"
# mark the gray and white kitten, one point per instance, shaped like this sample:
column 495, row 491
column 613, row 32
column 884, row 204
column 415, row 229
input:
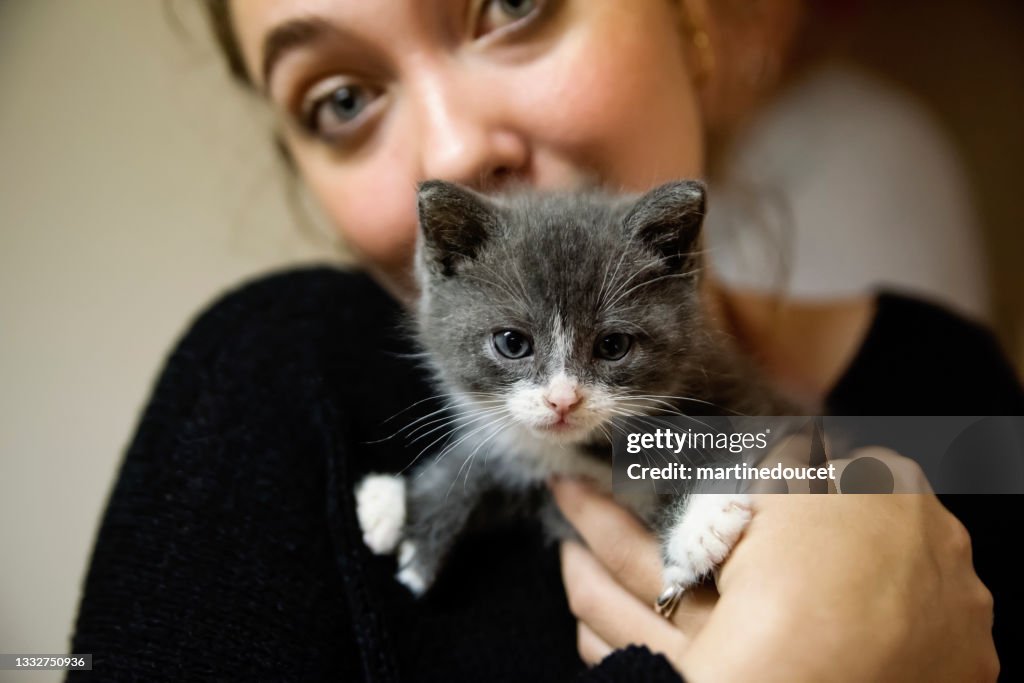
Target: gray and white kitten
column 544, row 317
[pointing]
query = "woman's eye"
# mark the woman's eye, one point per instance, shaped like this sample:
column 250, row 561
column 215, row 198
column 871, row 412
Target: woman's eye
column 331, row 108
column 512, row 344
column 498, row 13
column 613, row 346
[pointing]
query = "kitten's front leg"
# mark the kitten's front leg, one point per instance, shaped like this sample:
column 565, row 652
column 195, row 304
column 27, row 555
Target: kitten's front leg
column 380, row 508
column 439, row 502
column 421, row 515
column 700, row 535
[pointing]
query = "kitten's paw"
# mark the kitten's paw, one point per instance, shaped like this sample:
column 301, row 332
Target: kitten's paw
column 409, row 574
column 380, row 507
column 703, row 536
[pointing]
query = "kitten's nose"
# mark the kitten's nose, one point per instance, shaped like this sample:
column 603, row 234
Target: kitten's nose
column 563, row 397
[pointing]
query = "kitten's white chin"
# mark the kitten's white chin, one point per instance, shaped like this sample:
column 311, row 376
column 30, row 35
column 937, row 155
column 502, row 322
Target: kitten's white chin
column 562, row 432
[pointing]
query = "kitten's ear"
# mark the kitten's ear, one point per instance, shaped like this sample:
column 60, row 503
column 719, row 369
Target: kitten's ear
column 455, row 222
column 668, row 219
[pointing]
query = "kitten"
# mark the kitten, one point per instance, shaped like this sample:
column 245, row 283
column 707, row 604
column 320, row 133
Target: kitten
column 543, row 317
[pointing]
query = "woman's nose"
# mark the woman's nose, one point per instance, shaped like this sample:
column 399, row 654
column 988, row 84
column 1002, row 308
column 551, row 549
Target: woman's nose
column 465, row 136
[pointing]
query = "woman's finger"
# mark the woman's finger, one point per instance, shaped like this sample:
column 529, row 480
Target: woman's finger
column 614, row 614
column 621, row 543
column 592, row 648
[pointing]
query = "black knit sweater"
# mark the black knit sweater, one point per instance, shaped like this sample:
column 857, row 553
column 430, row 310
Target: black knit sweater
column 230, row 549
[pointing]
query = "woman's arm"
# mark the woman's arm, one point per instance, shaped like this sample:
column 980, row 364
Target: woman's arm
column 819, row 588
column 213, row 559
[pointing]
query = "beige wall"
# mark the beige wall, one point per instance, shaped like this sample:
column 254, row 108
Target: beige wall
column 126, row 203
column 964, row 59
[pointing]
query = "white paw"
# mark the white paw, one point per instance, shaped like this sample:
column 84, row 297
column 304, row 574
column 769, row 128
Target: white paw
column 380, row 507
column 703, row 536
column 407, row 575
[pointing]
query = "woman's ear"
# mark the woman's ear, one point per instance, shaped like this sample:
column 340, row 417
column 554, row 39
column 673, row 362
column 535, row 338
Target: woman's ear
column 668, row 220
column 454, row 223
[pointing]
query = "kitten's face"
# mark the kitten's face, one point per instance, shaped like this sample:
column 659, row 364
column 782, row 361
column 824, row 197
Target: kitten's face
column 557, row 313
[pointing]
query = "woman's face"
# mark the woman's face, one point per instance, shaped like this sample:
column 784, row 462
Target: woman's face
column 380, row 95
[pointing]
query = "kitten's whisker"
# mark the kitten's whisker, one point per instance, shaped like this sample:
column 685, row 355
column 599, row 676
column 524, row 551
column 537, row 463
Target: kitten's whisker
column 642, row 412
column 469, row 459
column 644, row 452
column 413, row 405
column 614, row 296
column 406, row 426
column 447, row 421
column 627, row 325
column 646, row 283
column 447, row 435
column 463, row 411
column 664, row 423
column 502, row 287
column 441, row 396
column 669, row 409
column 457, row 419
column 500, row 427
column 660, row 263
column 622, row 429
column 413, row 423
column 605, row 280
column 625, row 432
column 517, row 272
column 453, row 446
column 686, row 398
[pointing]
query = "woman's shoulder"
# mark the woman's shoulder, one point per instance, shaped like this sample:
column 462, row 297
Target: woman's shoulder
column 310, row 292
column 273, row 334
column 289, row 334
column 290, row 309
column 920, row 357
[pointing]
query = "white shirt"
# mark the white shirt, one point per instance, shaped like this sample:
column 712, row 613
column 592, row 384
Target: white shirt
column 848, row 184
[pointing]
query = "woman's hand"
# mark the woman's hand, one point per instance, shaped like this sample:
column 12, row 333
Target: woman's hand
column 820, row 588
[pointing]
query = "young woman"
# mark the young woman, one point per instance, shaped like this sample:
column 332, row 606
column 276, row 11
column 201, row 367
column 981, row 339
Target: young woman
column 230, row 547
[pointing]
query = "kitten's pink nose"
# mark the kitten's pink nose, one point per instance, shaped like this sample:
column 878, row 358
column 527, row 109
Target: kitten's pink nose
column 563, row 397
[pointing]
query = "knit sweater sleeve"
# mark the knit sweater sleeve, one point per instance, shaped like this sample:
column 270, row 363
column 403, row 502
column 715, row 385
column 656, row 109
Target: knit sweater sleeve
column 633, row 663
column 204, row 566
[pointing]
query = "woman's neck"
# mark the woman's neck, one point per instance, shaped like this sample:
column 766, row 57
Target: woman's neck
column 803, row 347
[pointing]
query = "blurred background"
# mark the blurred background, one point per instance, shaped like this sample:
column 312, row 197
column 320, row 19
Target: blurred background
column 136, row 183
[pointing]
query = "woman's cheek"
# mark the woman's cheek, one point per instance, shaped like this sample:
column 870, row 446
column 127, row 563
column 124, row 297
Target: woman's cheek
column 619, row 100
column 373, row 212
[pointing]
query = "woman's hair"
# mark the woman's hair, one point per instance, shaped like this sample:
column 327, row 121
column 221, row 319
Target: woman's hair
column 219, row 13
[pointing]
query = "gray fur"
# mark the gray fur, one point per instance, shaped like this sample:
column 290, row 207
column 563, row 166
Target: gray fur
column 558, row 266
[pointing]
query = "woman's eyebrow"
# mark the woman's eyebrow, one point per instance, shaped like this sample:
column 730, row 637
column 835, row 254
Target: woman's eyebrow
column 291, row 35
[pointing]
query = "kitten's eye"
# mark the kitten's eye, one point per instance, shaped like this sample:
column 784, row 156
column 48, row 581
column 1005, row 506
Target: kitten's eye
column 496, row 14
column 512, row 344
column 333, row 107
column 613, row 346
